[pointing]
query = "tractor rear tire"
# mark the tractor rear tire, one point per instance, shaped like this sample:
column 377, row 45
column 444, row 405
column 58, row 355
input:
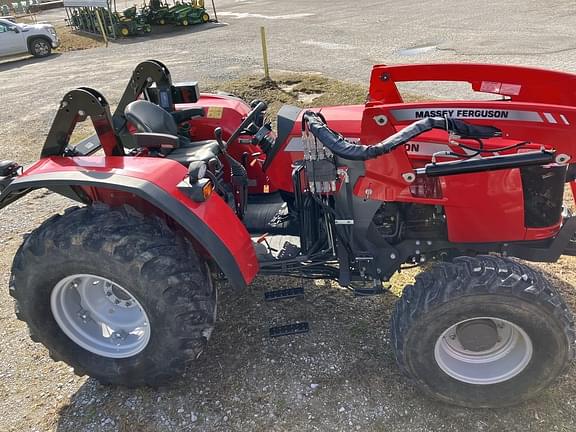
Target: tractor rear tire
column 482, row 332
column 93, row 266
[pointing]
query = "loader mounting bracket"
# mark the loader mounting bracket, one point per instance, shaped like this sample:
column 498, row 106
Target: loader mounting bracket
column 75, row 107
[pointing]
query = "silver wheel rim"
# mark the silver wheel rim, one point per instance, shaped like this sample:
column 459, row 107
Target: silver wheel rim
column 100, row 316
column 506, row 358
column 41, row 47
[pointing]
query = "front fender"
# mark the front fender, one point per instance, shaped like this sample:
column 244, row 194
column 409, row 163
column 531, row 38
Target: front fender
column 128, row 180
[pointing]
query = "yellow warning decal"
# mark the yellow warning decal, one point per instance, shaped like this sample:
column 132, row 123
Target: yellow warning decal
column 214, row 112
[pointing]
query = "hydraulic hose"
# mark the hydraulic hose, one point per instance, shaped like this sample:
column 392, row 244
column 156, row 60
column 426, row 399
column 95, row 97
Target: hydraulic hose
column 347, row 150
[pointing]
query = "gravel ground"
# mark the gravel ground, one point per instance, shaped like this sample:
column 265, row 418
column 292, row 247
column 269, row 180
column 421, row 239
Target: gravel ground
column 341, row 376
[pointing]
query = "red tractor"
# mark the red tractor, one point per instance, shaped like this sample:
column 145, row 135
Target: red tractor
column 178, row 187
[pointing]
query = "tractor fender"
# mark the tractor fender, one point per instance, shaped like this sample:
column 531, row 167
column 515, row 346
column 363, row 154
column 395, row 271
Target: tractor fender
column 153, row 182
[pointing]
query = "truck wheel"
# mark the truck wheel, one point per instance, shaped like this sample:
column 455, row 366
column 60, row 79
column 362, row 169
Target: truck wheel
column 40, row 47
column 116, row 295
column 482, row 332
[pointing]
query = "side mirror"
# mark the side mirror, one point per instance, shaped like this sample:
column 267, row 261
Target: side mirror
column 14, row 29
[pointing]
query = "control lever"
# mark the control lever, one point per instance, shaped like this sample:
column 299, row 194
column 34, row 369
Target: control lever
column 238, row 176
column 218, row 137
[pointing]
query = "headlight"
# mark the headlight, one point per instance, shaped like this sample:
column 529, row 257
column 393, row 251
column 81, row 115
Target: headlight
column 52, row 31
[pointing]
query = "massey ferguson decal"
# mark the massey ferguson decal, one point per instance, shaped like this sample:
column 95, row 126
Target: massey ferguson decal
column 463, row 113
column 466, row 113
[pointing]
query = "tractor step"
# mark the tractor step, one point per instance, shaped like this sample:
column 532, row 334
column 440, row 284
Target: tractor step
column 367, row 292
column 299, row 324
column 289, row 329
column 283, row 294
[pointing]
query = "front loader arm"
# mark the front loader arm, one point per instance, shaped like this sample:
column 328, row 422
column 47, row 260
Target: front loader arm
column 75, row 107
column 145, row 74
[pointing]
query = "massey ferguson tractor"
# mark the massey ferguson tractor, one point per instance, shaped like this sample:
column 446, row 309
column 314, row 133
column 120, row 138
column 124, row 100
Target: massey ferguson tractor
column 178, row 187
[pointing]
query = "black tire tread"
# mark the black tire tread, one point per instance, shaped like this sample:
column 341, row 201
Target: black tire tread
column 482, row 274
column 31, row 47
column 128, row 236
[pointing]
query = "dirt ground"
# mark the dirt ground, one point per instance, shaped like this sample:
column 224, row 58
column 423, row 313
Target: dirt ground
column 72, row 41
column 339, row 377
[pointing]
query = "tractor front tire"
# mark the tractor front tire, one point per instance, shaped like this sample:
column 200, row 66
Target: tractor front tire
column 116, row 295
column 205, row 17
column 482, row 332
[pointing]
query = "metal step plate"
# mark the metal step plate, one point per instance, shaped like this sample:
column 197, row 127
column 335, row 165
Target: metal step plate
column 283, row 294
column 289, row 329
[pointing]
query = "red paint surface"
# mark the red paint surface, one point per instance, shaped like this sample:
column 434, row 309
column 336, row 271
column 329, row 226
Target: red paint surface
column 482, row 207
column 166, row 174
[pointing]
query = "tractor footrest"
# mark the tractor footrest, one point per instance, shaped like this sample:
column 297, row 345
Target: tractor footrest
column 367, row 292
column 289, row 329
column 283, row 294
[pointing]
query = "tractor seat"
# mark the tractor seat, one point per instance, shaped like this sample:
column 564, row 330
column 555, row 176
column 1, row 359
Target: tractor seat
column 191, row 151
column 149, row 117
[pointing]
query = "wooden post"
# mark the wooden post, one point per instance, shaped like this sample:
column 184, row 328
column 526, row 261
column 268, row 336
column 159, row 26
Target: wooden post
column 102, row 29
column 265, row 53
column 214, row 9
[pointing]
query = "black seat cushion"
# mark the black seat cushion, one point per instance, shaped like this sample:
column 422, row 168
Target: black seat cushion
column 195, row 151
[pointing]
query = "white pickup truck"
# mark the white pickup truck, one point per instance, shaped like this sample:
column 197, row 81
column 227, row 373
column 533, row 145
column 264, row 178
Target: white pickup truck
column 37, row 39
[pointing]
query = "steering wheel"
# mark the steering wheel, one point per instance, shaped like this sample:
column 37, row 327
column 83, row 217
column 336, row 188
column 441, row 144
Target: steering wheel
column 260, row 107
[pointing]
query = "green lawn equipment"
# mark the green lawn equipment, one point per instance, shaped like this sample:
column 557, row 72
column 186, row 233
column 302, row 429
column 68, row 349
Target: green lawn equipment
column 189, row 13
column 179, row 13
column 129, row 22
column 198, row 15
column 156, row 12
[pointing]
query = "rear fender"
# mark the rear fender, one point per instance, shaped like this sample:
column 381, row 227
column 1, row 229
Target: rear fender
column 150, row 185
